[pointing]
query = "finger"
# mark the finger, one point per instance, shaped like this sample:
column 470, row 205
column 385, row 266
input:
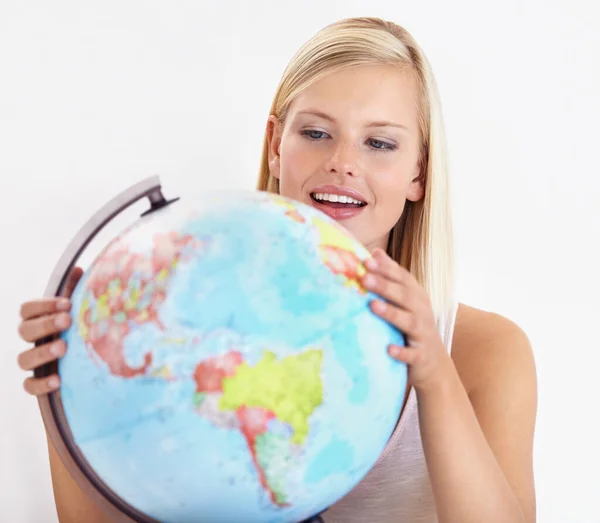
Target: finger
column 39, row 386
column 408, row 355
column 37, row 308
column 389, row 290
column 38, row 356
column 381, row 263
column 407, row 322
column 45, row 306
column 72, row 280
column 38, row 328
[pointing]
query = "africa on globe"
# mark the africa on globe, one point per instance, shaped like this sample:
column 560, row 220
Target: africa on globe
column 224, row 366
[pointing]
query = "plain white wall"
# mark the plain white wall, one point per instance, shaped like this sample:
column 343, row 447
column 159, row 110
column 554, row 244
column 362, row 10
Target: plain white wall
column 95, row 96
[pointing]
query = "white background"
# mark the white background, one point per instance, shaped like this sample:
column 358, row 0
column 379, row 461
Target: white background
column 95, row 96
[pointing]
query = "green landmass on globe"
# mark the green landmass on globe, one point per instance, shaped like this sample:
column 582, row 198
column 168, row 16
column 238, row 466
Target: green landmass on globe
column 233, row 394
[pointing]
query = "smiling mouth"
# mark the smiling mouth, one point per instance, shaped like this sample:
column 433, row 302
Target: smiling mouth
column 337, row 200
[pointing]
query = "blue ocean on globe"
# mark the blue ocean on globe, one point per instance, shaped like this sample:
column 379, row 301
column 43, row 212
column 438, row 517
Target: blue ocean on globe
column 224, row 366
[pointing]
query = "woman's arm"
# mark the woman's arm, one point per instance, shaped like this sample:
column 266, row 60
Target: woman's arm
column 479, row 445
column 72, row 504
column 477, row 415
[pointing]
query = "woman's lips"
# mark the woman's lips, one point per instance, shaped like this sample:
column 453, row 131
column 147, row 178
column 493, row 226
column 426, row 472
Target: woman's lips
column 338, row 210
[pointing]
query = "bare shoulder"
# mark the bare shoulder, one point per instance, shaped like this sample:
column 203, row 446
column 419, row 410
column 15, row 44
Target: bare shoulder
column 494, row 359
column 488, row 347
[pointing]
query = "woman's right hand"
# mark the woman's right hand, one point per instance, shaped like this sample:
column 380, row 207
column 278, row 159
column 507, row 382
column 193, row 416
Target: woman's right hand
column 41, row 319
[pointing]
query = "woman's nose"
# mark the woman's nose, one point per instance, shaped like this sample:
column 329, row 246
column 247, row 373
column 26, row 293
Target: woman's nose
column 344, row 160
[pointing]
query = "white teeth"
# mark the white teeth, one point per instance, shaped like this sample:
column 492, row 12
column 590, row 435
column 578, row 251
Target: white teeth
column 336, row 198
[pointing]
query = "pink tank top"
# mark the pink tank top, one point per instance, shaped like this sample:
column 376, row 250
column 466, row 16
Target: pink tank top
column 397, row 488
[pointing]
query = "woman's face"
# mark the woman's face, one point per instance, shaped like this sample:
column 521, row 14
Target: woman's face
column 350, row 147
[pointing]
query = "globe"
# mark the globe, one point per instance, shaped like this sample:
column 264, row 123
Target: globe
column 224, row 365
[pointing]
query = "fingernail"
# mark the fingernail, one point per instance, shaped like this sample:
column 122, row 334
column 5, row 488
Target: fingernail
column 369, row 280
column 63, row 305
column 379, row 306
column 371, row 264
column 62, row 321
column 56, row 349
column 53, row 382
column 394, row 351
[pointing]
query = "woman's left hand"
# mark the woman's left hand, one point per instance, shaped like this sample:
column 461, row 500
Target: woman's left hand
column 406, row 306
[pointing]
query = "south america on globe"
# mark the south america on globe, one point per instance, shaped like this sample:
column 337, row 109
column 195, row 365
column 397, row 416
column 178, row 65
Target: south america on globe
column 224, row 366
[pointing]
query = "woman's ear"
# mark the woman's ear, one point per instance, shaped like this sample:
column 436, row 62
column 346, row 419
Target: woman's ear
column 416, row 188
column 274, row 129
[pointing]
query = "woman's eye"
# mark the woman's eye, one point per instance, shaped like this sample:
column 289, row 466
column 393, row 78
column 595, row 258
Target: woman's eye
column 380, row 144
column 314, row 135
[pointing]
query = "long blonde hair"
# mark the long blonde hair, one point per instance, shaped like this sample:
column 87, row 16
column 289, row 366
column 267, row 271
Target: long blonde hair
column 422, row 240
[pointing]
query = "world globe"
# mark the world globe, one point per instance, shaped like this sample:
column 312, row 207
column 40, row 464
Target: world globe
column 223, row 363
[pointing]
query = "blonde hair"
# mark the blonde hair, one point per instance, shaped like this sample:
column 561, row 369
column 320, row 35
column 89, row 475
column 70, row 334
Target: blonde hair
column 422, row 240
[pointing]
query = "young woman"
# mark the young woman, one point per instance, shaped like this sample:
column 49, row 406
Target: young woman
column 356, row 131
